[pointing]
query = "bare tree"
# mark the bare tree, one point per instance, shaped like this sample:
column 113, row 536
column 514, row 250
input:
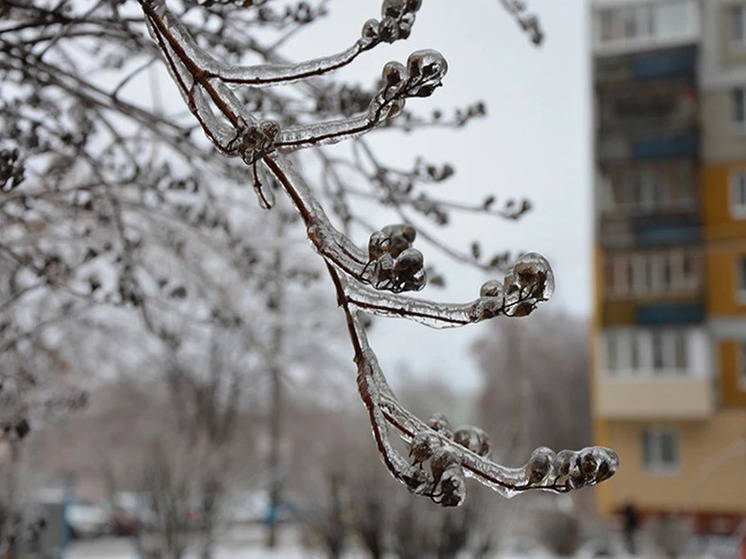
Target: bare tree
column 103, row 193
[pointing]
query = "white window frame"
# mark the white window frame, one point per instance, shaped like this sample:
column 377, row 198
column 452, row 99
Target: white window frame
column 653, row 441
column 648, row 277
column 739, row 11
column 646, row 17
column 634, row 350
column 737, row 182
column 738, row 106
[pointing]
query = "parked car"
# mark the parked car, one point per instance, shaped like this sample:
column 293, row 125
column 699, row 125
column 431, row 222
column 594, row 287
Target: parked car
column 86, row 520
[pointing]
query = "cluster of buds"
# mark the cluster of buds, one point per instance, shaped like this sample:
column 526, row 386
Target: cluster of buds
column 436, row 471
column 527, row 283
column 253, row 141
column 569, row 469
column 392, row 262
column 397, row 18
column 423, row 73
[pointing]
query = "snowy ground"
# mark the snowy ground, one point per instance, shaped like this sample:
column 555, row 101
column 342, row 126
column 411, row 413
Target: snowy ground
column 248, row 543
column 244, row 543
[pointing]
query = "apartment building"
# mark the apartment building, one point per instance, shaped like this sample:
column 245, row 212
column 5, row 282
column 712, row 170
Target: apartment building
column 669, row 337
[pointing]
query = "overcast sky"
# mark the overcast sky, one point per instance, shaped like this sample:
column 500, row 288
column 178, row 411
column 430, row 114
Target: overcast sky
column 535, row 143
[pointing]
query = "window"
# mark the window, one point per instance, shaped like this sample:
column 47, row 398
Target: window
column 612, row 352
column 648, row 352
column 736, row 25
column 738, row 97
column 681, row 356
column 663, row 21
column 660, row 450
column 652, row 273
column 738, row 194
column 657, row 341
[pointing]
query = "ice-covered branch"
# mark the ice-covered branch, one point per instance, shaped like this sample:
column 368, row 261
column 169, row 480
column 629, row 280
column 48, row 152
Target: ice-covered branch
column 441, row 458
column 373, row 280
column 529, row 282
column 397, row 18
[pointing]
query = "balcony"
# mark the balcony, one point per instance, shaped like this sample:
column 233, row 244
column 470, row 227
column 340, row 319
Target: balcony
column 672, row 145
column 658, row 314
column 667, row 231
column 657, row 64
column 655, row 106
column 664, row 64
column 620, row 148
column 667, row 398
column 678, row 307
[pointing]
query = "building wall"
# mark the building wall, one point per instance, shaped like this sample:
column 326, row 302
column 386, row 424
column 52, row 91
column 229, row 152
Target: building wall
column 722, row 276
column 732, row 387
column 722, row 63
column 719, row 220
column 712, row 472
column 722, row 139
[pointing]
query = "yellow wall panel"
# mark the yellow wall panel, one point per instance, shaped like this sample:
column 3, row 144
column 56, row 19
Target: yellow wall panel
column 732, row 392
column 722, row 275
column 719, row 221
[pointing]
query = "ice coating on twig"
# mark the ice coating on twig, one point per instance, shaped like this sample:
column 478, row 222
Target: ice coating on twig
column 396, row 23
column 435, row 449
column 422, row 74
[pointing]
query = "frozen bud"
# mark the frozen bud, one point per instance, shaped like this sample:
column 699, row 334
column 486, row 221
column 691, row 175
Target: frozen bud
column 396, row 108
column 398, row 245
column 413, row 5
column 442, row 459
column 386, row 264
column 378, row 244
column 388, row 30
column 588, row 461
column 539, row 464
column 563, row 461
column 393, row 8
column 518, row 302
column 418, row 281
column 473, row 438
column 408, row 232
column 606, row 468
column 370, row 29
column 438, row 422
column 393, row 73
column 405, row 28
column 417, row 480
column 453, row 487
column 534, row 272
column 269, row 129
column 485, row 308
column 423, row 446
column 426, row 63
column 426, row 68
column 578, row 478
column 408, row 262
column 606, row 462
column 491, row 288
column 403, row 230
